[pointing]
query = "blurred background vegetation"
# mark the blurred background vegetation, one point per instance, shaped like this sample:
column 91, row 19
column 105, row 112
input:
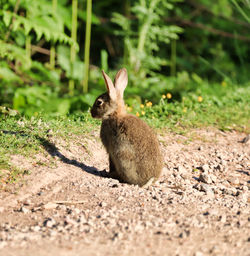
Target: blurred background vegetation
column 52, row 52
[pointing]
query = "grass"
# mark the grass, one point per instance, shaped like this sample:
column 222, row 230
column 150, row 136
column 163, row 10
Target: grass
column 223, row 108
column 22, row 136
column 226, row 108
column 9, row 174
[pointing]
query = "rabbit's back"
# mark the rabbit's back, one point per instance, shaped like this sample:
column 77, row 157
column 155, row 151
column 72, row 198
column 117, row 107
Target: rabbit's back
column 133, row 148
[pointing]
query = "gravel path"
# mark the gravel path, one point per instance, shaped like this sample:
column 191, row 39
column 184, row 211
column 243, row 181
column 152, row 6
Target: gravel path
column 200, row 205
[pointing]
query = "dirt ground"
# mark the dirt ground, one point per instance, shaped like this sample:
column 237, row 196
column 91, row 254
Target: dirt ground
column 200, row 205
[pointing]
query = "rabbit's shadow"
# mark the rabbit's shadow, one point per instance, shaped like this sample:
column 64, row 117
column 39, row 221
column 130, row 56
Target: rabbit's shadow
column 54, row 152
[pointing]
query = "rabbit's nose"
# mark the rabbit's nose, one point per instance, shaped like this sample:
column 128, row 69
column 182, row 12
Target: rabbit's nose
column 93, row 112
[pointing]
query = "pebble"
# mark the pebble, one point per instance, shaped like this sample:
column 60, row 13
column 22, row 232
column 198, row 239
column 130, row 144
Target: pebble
column 243, row 196
column 49, row 223
column 205, row 177
column 165, row 171
column 230, row 191
column 198, row 253
column 207, row 189
column 50, row 205
column 223, row 218
column 213, row 178
column 77, row 211
column 102, row 204
column 244, row 188
column 27, row 202
column 36, row 228
column 24, row 210
column 205, row 168
column 234, row 180
column 182, row 169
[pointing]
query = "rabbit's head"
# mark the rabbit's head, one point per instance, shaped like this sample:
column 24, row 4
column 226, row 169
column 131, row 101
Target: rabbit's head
column 111, row 101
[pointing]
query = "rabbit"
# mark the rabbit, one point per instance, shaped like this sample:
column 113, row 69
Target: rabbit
column 133, row 149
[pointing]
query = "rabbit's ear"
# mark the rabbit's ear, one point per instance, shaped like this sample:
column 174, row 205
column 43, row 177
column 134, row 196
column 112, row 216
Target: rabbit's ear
column 110, row 86
column 121, row 80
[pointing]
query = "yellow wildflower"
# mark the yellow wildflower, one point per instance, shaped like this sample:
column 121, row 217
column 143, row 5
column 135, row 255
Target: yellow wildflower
column 143, row 112
column 149, row 104
column 169, row 95
column 200, row 99
column 141, row 106
column 163, row 96
column 224, row 83
column 184, row 110
column 137, row 114
column 129, row 109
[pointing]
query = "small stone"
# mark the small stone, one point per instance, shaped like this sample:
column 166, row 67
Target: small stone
column 246, row 139
column 24, row 210
column 27, row 202
column 213, row 178
column 49, row 223
column 234, row 180
column 116, row 236
column 197, row 186
column 184, row 234
column 40, row 193
column 223, row 218
column 77, row 211
column 230, row 191
column 243, row 197
column 53, row 233
column 165, row 171
column 50, row 205
column 181, row 169
column 204, row 177
column 36, row 228
column 207, row 189
column 205, row 168
column 223, row 163
column 120, row 198
column 220, row 167
column 244, row 188
column 198, row 253
column 1, row 209
column 102, row 204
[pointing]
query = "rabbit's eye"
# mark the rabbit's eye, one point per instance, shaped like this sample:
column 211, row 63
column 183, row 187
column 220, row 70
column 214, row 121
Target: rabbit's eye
column 99, row 102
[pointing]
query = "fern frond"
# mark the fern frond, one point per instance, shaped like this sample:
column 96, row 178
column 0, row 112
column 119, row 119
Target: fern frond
column 39, row 27
column 13, row 52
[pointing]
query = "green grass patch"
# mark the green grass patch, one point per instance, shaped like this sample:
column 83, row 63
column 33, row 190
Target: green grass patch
column 223, row 108
column 9, row 174
column 28, row 136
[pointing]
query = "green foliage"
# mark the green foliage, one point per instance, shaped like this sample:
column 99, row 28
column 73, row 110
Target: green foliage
column 167, row 46
column 145, row 35
column 13, row 52
column 216, row 39
column 223, row 106
column 41, row 26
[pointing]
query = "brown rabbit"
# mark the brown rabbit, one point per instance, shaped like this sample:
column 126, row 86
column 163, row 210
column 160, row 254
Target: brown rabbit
column 134, row 153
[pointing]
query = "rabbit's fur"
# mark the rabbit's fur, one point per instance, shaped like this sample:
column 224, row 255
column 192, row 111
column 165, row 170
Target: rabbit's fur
column 134, row 153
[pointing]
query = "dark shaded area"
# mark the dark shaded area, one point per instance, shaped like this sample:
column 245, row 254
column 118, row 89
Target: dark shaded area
column 54, row 152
